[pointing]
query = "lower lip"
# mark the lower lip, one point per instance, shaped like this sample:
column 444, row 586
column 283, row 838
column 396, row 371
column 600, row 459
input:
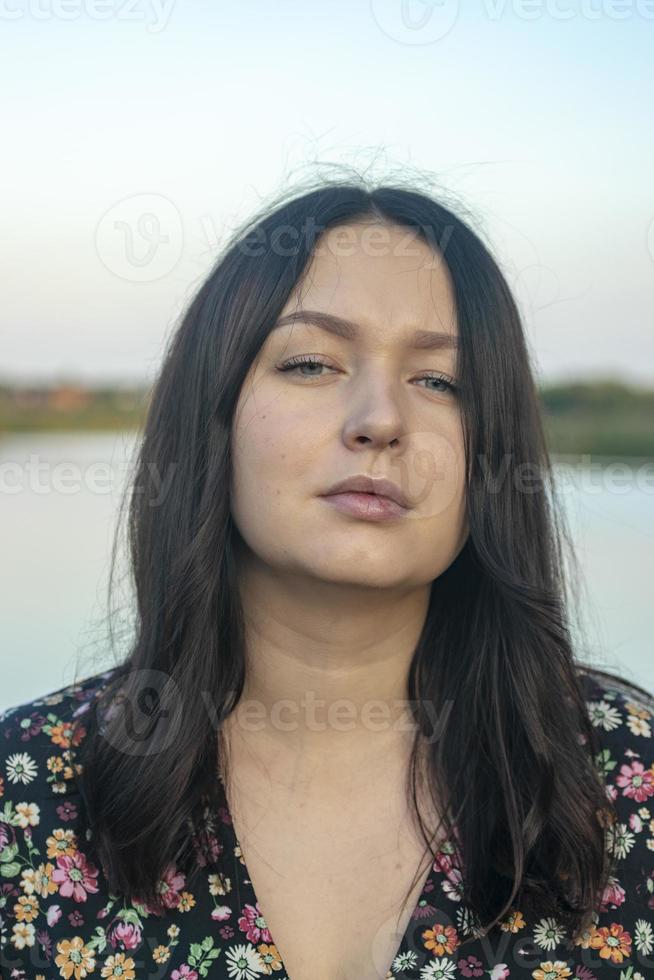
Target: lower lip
column 368, row 506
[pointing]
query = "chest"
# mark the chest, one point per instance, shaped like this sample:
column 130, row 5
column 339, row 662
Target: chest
column 331, row 877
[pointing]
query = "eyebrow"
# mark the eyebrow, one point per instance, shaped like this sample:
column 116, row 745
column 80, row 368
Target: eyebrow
column 421, row 339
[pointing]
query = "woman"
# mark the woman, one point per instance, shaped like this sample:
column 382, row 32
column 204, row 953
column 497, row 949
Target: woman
column 351, row 738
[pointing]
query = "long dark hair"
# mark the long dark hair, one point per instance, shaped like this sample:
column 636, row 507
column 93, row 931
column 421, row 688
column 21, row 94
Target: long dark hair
column 527, row 802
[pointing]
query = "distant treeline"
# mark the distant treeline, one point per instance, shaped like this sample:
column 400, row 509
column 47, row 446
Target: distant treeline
column 602, row 418
column 605, row 418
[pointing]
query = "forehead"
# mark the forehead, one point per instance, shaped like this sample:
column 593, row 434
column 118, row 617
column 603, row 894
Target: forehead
column 379, row 275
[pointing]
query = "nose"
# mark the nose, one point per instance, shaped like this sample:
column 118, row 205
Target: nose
column 375, row 415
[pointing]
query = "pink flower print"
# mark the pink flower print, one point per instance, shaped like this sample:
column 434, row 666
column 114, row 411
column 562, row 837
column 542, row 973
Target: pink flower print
column 45, row 942
column 253, row 924
column 209, row 843
column 171, row 886
column 471, row 967
column 53, row 914
column 221, row 913
column 453, row 885
column 444, row 862
column 75, row 876
column 125, row 935
column 636, row 782
column 635, row 823
column 612, row 896
column 184, row 973
column 423, row 910
column 5, row 839
column 500, row 972
column 67, row 810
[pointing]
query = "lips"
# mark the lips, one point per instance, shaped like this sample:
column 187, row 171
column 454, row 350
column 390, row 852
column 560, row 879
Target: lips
column 368, row 484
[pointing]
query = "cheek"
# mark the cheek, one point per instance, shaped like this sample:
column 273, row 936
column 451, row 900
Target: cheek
column 273, row 451
column 433, row 473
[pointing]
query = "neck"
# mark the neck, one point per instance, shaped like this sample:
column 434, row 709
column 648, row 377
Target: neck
column 326, row 671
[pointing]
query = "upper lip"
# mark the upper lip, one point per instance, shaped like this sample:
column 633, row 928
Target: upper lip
column 369, row 484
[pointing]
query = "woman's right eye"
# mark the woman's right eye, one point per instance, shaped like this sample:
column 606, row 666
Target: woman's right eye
column 296, row 362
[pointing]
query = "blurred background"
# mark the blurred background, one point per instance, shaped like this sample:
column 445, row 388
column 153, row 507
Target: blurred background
column 138, row 135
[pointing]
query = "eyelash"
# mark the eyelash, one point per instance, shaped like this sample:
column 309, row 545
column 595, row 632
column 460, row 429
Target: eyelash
column 296, row 362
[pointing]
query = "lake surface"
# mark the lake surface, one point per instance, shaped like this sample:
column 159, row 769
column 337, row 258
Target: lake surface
column 59, row 500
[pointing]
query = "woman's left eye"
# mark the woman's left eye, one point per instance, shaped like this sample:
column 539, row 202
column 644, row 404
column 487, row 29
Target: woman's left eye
column 298, row 362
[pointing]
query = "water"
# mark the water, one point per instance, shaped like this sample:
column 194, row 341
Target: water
column 57, row 531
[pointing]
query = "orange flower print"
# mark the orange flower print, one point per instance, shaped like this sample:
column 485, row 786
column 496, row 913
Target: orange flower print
column 552, row 970
column 513, row 923
column 441, row 939
column 26, row 908
column 62, row 734
column 119, row 965
column 270, row 956
column 161, row 954
column 75, row 959
column 186, row 902
column 613, row 943
column 61, row 842
column 38, row 880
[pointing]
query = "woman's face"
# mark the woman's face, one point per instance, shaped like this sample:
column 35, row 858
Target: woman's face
column 368, row 410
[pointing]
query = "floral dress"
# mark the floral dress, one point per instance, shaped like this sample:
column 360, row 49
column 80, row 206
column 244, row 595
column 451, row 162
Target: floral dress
column 58, row 918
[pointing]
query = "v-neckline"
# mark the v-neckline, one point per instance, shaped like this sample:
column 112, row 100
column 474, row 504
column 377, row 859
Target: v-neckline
column 423, row 909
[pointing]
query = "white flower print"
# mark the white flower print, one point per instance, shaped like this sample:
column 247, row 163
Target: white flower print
column 468, row 922
column 243, row 962
column 638, row 726
column 29, row 880
column 643, row 937
column 440, row 969
column 23, row 935
column 604, row 715
column 21, row 768
column 548, row 934
column 451, row 885
column 404, row 961
column 619, row 839
column 27, row 815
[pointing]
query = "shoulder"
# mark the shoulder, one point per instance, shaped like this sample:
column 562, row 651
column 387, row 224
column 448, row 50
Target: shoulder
column 621, row 711
column 622, row 715
column 45, row 875
column 38, row 739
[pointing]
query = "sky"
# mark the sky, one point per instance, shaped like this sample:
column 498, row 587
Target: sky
column 138, row 133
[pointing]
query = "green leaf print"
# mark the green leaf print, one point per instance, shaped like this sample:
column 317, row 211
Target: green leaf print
column 9, row 870
column 99, row 940
column 9, row 854
column 604, row 762
column 202, row 955
column 130, row 916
